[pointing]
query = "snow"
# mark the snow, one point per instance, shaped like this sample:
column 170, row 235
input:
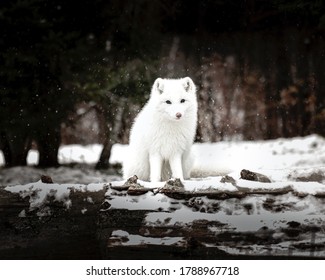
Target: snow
column 83, row 174
column 148, row 201
column 88, row 154
column 135, row 240
column 237, row 218
column 279, row 154
column 39, row 193
column 298, row 163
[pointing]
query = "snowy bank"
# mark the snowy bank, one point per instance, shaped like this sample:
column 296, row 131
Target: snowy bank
column 282, row 160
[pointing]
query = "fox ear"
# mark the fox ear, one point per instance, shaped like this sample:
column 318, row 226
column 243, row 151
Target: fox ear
column 158, row 85
column 188, row 84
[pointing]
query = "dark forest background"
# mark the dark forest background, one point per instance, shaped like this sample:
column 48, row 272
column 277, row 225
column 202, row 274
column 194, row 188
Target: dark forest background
column 79, row 71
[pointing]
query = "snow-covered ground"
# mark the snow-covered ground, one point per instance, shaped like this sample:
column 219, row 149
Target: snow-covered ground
column 298, row 164
column 297, row 159
column 83, row 158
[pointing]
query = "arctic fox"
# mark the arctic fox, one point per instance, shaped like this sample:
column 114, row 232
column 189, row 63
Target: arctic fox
column 163, row 133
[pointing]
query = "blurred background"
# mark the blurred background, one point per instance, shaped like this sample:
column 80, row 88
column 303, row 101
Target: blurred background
column 80, row 71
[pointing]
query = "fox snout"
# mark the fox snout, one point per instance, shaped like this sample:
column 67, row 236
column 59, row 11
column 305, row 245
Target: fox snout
column 175, row 112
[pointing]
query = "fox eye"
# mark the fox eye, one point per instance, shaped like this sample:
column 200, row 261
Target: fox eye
column 168, row 102
column 182, row 100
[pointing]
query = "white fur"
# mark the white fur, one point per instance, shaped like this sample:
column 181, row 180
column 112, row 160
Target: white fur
column 162, row 134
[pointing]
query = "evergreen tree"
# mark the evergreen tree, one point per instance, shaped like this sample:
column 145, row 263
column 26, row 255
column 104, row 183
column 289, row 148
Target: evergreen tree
column 44, row 50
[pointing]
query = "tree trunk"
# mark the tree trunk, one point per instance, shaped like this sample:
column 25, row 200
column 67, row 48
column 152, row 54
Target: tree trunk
column 105, row 155
column 5, row 147
column 48, row 142
column 15, row 148
column 111, row 130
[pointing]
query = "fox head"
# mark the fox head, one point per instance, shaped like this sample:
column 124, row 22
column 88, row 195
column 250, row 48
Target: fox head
column 174, row 98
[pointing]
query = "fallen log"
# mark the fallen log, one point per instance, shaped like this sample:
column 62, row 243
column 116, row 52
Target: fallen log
column 225, row 219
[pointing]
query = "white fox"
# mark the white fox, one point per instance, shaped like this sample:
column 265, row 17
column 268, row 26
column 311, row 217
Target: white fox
column 163, row 133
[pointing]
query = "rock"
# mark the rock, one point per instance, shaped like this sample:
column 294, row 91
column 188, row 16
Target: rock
column 132, row 187
column 174, row 184
column 174, row 188
column 46, row 179
column 129, row 182
column 132, row 180
column 228, row 179
column 253, row 176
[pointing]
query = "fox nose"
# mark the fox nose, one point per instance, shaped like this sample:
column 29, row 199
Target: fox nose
column 178, row 115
